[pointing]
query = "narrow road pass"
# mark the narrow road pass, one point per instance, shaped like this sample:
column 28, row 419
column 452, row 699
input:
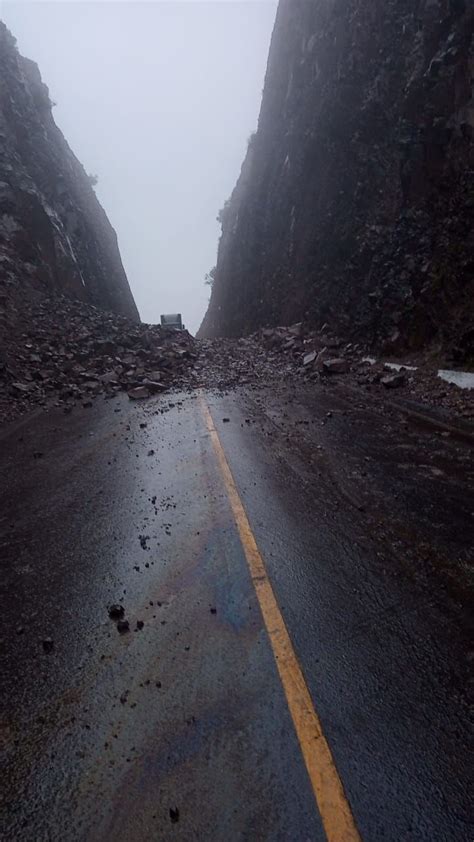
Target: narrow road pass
column 334, row 809
column 289, row 672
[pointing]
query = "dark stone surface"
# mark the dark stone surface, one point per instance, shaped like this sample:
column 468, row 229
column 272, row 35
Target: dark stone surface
column 55, row 237
column 354, row 204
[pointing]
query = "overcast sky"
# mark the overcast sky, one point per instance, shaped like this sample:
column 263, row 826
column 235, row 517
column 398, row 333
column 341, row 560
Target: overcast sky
column 158, row 99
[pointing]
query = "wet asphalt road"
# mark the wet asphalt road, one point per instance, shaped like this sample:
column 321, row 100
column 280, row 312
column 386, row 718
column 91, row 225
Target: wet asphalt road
column 180, row 730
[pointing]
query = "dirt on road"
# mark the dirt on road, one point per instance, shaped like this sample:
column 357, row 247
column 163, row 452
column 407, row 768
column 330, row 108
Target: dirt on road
column 169, row 720
column 140, row 690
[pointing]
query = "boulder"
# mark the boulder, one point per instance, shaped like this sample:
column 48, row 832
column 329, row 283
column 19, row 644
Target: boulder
column 393, row 381
column 309, row 359
column 109, row 377
column 335, row 366
column 296, row 329
column 138, row 393
column 22, row 388
column 154, row 385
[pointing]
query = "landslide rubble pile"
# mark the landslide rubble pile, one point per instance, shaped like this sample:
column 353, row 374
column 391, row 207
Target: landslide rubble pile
column 276, row 355
column 67, row 353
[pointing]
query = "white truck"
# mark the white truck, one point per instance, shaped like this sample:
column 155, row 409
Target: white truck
column 172, row 321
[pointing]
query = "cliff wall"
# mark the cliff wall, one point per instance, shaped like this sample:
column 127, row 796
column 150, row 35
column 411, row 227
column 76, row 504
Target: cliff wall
column 55, row 237
column 355, row 201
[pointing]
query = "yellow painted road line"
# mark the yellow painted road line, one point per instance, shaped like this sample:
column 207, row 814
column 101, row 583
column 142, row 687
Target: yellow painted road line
column 334, row 809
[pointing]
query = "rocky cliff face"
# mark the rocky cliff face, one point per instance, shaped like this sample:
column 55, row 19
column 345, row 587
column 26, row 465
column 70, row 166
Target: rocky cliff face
column 54, row 236
column 355, row 201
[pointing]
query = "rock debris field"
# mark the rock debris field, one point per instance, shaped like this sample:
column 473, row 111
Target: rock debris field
column 67, row 353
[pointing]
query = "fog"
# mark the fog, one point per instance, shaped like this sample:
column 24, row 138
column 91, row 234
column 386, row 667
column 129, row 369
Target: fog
column 158, row 100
